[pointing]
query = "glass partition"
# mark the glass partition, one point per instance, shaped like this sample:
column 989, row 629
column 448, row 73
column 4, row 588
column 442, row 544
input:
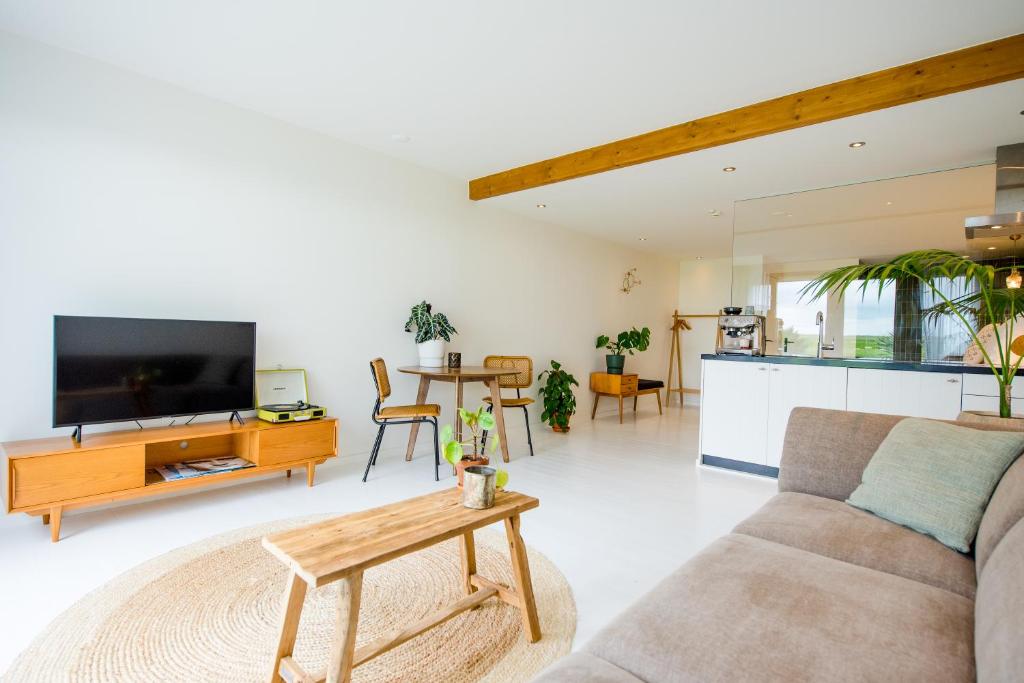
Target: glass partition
column 782, row 242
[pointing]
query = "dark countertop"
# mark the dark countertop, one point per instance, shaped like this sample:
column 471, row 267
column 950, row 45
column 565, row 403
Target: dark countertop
column 869, row 363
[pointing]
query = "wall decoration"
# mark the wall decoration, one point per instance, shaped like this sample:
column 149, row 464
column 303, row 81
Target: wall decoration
column 630, row 280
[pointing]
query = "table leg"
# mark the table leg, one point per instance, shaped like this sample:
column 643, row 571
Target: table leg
column 524, row 584
column 414, row 428
column 294, row 594
column 343, row 657
column 467, row 553
column 458, row 404
column 593, row 411
column 499, row 415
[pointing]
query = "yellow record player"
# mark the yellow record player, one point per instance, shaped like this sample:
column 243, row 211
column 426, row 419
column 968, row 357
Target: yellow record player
column 282, row 396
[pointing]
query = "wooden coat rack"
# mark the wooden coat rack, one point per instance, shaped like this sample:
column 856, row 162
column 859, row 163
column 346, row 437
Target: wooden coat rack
column 675, row 358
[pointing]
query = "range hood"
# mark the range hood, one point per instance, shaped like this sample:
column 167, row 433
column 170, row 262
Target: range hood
column 1009, row 196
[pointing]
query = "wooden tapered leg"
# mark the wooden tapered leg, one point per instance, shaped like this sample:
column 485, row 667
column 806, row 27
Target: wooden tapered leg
column 310, row 472
column 294, row 594
column 288, row 473
column 343, row 657
column 524, row 584
column 657, row 395
column 46, row 519
column 55, row 514
column 414, row 428
column 635, row 397
column 620, row 409
column 499, row 415
column 467, row 553
column 593, row 411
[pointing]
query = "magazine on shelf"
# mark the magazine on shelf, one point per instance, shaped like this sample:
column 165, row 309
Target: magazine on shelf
column 197, row 468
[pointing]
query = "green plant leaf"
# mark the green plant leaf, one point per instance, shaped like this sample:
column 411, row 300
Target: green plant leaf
column 453, row 452
column 601, row 341
column 493, row 443
column 487, row 421
column 447, row 434
column 465, row 415
column 501, row 479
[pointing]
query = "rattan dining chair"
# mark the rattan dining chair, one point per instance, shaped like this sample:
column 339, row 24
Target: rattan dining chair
column 398, row 415
column 519, row 381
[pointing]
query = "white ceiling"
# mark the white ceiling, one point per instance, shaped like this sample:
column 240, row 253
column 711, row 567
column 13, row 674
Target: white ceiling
column 484, row 86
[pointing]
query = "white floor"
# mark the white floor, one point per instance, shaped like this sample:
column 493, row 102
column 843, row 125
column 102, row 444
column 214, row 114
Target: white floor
column 621, row 507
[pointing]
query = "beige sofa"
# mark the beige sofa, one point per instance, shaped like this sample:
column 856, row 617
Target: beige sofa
column 812, row 589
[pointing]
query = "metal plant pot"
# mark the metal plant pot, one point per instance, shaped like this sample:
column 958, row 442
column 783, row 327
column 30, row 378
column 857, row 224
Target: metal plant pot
column 478, row 484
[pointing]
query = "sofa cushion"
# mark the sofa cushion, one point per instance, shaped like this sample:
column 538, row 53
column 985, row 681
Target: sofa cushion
column 747, row 609
column 581, row 667
column 1004, row 510
column 999, row 611
column 837, row 530
column 936, row 478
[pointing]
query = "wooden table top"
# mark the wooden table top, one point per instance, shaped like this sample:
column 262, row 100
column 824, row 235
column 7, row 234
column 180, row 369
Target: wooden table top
column 465, row 372
column 330, row 550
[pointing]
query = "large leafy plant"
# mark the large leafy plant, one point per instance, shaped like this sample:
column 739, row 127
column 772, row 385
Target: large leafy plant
column 628, row 341
column 429, row 326
column 477, row 421
column 982, row 304
column 559, row 401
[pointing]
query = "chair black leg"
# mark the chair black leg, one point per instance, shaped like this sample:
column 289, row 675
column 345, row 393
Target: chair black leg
column 373, row 452
column 483, row 435
column 529, row 439
column 376, row 446
column 437, row 452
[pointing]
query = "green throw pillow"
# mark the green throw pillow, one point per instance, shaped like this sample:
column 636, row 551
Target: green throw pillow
column 936, row 478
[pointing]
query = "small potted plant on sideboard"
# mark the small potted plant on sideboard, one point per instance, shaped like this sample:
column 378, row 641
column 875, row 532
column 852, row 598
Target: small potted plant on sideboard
column 629, row 341
column 559, row 401
column 432, row 331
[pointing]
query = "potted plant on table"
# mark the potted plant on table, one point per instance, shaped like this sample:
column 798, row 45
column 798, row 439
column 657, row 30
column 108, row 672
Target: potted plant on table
column 630, row 340
column 559, row 401
column 432, row 331
column 455, row 451
column 988, row 313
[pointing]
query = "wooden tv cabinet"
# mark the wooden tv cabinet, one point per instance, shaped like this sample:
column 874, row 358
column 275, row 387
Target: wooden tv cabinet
column 47, row 476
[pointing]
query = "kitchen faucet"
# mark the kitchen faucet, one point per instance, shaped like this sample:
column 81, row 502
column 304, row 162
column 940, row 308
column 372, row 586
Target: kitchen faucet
column 819, row 320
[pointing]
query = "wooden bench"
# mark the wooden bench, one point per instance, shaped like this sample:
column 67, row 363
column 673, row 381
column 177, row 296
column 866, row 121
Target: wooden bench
column 341, row 549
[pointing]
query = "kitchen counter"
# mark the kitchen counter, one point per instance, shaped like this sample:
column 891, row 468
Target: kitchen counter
column 868, row 363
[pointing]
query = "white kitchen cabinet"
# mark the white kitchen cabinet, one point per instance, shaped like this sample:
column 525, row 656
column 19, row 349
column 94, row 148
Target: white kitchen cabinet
column 991, row 404
column 734, row 410
column 904, row 392
column 792, row 386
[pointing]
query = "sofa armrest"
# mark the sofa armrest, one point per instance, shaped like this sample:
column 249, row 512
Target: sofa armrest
column 825, row 451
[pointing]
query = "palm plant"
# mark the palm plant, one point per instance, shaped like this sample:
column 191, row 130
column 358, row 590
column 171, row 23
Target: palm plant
column 983, row 303
column 429, row 326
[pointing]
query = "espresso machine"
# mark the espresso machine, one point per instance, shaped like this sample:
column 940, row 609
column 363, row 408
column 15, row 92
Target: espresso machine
column 740, row 333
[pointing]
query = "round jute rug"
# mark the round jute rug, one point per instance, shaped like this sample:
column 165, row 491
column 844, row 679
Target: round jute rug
column 209, row 612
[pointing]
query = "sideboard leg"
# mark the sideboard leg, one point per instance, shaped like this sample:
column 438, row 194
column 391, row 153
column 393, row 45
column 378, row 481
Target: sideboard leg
column 310, row 471
column 46, row 518
column 288, row 473
column 55, row 513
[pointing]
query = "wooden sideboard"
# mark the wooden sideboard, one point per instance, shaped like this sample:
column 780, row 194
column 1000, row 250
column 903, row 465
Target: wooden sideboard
column 47, row 476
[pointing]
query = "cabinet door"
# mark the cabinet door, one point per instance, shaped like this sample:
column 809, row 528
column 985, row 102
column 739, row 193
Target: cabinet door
column 734, row 410
column 791, row 386
column 991, row 404
column 897, row 392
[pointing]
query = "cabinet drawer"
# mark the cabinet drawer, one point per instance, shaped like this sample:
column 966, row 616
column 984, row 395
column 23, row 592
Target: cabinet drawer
column 296, row 442
column 981, row 385
column 629, row 383
column 66, row 476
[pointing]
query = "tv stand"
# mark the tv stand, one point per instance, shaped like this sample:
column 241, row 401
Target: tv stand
column 76, row 435
column 45, row 477
column 236, row 416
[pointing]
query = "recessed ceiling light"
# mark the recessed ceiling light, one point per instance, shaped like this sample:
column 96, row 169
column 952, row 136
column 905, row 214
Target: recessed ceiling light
column 642, row 239
column 700, row 258
column 400, row 137
column 888, row 203
column 542, row 206
column 729, row 169
column 859, row 143
column 715, row 212
column 991, row 248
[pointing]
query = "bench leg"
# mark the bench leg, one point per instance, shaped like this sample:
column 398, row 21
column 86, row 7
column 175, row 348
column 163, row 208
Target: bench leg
column 467, row 553
column 294, row 594
column 343, row 657
column 524, row 584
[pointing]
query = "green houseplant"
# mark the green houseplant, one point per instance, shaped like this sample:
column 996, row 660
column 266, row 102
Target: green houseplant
column 559, row 401
column 455, row 451
column 629, row 341
column 432, row 330
column 983, row 304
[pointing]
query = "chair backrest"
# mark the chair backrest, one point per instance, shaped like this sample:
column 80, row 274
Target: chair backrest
column 522, row 379
column 380, row 378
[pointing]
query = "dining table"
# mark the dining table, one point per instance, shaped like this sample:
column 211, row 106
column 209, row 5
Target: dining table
column 460, row 376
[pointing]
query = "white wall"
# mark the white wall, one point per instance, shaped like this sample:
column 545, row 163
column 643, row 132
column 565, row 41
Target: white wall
column 121, row 195
column 704, row 288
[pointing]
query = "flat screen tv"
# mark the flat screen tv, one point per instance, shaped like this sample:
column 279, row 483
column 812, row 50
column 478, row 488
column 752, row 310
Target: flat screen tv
column 118, row 369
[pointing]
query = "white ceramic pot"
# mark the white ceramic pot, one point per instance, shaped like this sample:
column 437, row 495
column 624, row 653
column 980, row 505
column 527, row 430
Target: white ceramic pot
column 431, row 353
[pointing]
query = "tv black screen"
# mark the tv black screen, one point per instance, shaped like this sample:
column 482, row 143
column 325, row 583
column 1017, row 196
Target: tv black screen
column 114, row 369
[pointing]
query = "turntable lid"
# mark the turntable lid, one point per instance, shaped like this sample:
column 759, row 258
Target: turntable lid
column 281, row 386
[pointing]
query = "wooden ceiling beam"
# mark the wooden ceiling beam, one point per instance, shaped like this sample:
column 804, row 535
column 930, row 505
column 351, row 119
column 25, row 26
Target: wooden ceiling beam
column 973, row 67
